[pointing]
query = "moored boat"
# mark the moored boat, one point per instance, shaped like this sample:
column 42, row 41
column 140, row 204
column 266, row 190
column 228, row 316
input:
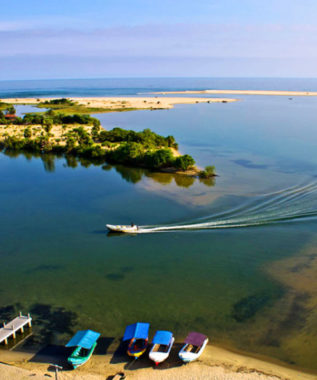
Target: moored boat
column 161, row 346
column 138, row 336
column 123, row 228
column 84, row 342
column 195, row 344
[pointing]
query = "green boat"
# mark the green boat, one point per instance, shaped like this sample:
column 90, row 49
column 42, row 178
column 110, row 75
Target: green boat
column 84, row 342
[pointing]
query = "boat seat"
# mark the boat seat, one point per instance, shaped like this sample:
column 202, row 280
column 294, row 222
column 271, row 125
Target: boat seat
column 155, row 348
column 188, row 348
column 196, row 349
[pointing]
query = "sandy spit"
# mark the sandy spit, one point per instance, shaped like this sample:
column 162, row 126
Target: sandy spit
column 126, row 102
column 243, row 92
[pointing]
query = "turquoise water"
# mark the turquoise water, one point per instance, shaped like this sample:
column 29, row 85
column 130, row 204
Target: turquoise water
column 206, row 263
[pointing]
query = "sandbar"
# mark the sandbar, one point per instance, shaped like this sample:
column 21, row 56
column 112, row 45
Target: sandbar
column 243, row 92
column 125, row 102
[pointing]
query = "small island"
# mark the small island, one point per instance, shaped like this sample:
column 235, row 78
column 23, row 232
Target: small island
column 81, row 135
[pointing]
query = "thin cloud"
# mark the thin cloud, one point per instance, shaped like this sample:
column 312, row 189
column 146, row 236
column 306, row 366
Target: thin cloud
column 180, row 40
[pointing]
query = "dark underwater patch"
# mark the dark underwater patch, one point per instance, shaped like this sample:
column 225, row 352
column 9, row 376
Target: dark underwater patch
column 121, row 274
column 115, row 276
column 9, row 312
column 247, row 307
column 304, row 265
column 297, row 314
column 48, row 322
column 295, row 319
column 44, row 268
column 249, row 164
column 270, row 339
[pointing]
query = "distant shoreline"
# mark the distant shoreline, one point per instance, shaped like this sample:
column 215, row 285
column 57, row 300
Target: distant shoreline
column 242, row 92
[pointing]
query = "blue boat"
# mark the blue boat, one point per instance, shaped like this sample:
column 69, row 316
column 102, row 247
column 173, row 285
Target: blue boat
column 84, row 342
column 138, row 336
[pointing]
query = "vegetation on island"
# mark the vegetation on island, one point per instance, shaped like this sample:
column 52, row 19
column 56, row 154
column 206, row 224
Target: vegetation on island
column 81, row 135
column 208, row 172
column 4, row 106
column 68, row 106
column 47, row 118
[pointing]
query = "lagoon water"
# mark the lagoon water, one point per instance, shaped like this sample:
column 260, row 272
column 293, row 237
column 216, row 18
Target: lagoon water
column 218, row 257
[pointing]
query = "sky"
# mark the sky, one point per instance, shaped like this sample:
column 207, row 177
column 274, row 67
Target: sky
column 157, row 38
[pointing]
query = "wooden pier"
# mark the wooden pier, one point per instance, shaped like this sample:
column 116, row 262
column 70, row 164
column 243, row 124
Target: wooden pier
column 11, row 328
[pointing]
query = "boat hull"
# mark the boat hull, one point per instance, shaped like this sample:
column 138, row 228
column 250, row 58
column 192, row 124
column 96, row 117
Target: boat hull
column 122, row 228
column 75, row 360
column 159, row 356
column 189, row 356
column 135, row 350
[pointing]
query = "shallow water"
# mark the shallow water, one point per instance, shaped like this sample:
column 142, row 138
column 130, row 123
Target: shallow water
column 58, row 262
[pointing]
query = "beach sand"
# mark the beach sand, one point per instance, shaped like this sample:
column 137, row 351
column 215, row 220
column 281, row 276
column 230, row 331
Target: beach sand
column 125, row 102
column 215, row 364
column 242, row 92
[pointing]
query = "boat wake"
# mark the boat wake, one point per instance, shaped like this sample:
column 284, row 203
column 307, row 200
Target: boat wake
column 296, row 203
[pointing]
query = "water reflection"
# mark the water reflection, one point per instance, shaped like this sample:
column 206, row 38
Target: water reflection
column 129, row 174
column 48, row 162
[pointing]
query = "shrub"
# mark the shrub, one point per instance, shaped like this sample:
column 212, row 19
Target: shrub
column 27, row 133
column 62, row 101
column 208, row 172
column 128, row 152
column 184, row 162
column 47, row 124
column 70, row 143
column 95, row 131
column 159, row 159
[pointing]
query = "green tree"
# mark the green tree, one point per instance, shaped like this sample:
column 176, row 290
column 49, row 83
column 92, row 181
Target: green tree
column 70, row 143
column 96, row 123
column 95, row 131
column 48, row 124
column 184, row 162
column 159, row 159
column 27, row 133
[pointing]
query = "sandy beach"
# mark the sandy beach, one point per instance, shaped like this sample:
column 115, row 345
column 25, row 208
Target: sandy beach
column 215, row 364
column 242, row 92
column 125, row 102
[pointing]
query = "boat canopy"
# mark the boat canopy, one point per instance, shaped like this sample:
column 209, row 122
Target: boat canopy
column 162, row 337
column 195, row 338
column 138, row 330
column 84, row 339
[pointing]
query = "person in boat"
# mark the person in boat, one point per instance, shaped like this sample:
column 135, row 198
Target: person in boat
column 134, row 225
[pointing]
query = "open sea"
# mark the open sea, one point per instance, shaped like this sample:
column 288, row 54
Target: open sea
column 234, row 258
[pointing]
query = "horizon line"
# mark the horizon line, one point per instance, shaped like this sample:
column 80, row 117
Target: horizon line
column 157, row 77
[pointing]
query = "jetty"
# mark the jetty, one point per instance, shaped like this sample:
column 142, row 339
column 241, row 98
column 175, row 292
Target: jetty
column 11, row 328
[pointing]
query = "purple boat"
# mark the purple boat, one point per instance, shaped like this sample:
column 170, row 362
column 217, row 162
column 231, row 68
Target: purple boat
column 195, row 344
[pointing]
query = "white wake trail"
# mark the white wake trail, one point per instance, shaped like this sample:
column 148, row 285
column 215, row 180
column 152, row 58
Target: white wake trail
column 292, row 204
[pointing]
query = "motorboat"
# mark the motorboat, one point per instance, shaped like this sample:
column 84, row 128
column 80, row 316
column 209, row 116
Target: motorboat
column 161, row 346
column 84, row 342
column 137, row 335
column 129, row 229
column 195, row 344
